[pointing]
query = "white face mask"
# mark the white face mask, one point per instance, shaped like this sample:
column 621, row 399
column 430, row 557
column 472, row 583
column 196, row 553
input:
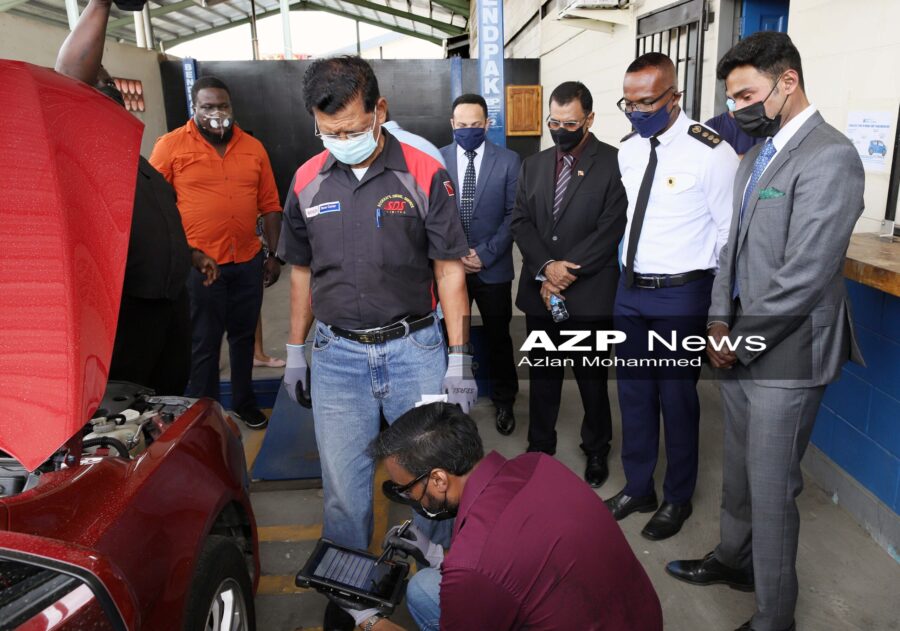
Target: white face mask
column 218, row 122
column 352, row 151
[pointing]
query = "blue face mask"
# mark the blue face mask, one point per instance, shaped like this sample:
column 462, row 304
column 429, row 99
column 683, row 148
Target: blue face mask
column 469, row 138
column 649, row 124
column 352, row 151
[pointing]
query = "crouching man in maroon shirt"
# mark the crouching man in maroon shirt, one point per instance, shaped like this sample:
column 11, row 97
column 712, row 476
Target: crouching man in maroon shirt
column 533, row 546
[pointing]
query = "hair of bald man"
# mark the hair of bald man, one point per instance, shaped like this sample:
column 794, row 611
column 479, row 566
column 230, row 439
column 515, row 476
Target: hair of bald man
column 654, row 60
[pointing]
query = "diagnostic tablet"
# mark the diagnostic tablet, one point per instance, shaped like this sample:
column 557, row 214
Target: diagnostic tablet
column 354, row 575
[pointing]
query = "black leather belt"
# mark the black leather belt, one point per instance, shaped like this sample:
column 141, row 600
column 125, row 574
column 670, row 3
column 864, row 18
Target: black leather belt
column 658, row 281
column 386, row 333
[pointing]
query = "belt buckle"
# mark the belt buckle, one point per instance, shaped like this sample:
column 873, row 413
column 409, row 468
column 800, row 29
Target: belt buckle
column 658, row 282
column 366, row 338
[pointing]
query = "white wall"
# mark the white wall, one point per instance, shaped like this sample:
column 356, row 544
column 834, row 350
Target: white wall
column 35, row 42
column 851, row 61
column 598, row 59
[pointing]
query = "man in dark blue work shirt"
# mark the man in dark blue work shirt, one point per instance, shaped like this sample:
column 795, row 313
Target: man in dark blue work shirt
column 370, row 227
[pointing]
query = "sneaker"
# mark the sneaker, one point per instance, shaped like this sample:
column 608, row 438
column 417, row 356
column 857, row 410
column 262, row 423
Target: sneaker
column 252, row 417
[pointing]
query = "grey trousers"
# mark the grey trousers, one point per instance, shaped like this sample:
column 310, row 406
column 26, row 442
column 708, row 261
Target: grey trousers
column 767, row 431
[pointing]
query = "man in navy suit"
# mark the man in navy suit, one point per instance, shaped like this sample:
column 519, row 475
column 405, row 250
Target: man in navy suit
column 485, row 177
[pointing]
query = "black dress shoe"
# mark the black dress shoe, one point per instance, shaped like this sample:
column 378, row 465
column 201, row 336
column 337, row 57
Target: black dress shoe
column 336, row 619
column 596, row 471
column 252, row 417
column 710, row 571
column 621, row 505
column 667, row 521
column 506, row 422
column 747, row 627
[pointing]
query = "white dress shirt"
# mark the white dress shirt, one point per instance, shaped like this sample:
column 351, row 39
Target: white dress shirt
column 690, row 207
column 462, row 163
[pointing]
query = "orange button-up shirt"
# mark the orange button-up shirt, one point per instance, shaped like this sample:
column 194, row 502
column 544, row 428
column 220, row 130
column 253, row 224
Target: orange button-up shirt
column 219, row 197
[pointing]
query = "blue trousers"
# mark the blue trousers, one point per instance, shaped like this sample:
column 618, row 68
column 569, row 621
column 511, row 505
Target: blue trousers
column 646, row 391
column 353, row 384
column 423, row 599
column 230, row 305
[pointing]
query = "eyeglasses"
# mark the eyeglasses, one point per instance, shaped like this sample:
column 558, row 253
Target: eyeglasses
column 400, row 492
column 642, row 106
column 353, row 135
column 554, row 124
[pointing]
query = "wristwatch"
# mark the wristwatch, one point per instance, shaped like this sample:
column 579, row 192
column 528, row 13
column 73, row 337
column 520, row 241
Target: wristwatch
column 465, row 349
column 369, row 624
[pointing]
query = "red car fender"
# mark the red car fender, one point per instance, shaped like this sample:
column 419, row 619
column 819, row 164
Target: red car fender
column 110, row 578
column 149, row 515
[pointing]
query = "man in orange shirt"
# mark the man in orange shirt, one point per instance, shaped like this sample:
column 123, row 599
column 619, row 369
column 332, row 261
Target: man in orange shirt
column 223, row 179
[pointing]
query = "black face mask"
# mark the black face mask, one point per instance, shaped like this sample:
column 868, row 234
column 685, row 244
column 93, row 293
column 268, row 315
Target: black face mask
column 215, row 139
column 567, row 140
column 440, row 514
column 753, row 120
column 113, row 93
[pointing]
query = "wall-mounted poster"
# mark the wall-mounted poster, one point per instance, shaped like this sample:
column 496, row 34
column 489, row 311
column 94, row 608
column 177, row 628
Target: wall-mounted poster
column 872, row 134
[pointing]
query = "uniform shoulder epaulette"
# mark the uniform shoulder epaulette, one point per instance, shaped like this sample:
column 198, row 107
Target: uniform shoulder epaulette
column 705, row 135
column 627, row 136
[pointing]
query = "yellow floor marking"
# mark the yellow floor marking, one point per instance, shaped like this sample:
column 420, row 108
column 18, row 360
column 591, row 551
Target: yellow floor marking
column 278, row 584
column 269, row 534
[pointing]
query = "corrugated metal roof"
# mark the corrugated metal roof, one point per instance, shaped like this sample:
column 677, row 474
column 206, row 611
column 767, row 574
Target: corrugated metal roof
column 177, row 21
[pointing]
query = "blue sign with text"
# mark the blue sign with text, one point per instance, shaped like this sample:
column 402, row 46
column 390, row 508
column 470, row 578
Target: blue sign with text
column 189, row 66
column 490, row 66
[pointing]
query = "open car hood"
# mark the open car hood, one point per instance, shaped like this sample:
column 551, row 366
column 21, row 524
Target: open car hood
column 68, row 167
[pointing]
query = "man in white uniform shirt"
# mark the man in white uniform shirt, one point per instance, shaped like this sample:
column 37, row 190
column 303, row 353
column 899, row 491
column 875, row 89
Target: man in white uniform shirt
column 679, row 178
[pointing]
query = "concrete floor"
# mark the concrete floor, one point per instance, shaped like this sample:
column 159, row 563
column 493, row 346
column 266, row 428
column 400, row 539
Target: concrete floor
column 847, row 581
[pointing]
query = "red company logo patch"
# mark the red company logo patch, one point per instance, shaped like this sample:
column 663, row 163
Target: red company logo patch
column 449, row 186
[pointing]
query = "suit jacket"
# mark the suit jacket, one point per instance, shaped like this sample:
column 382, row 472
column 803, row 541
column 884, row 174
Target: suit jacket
column 495, row 194
column 587, row 230
column 789, row 255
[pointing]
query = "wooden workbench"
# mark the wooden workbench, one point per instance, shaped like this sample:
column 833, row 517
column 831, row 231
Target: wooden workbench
column 874, row 262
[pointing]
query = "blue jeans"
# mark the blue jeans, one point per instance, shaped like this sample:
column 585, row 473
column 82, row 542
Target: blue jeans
column 353, row 384
column 423, row 599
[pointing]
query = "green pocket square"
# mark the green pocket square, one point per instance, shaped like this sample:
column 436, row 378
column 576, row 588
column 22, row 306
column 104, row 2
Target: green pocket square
column 770, row 193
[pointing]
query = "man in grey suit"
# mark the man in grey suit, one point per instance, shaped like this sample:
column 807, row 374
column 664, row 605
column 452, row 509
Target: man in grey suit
column 796, row 198
column 485, row 177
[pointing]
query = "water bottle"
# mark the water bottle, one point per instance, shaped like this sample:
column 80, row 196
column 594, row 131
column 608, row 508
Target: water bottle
column 558, row 309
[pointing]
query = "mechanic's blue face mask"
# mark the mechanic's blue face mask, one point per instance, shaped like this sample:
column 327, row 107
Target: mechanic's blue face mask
column 469, row 138
column 355, row 148
column 649, row 124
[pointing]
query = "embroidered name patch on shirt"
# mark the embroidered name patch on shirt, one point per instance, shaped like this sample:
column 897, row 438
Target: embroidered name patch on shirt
column 321, row 209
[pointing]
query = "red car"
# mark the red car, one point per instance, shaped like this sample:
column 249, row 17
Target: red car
column 118, row 509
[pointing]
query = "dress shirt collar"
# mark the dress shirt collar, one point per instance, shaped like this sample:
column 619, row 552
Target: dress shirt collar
column 787, row 132
column 461, row 153
column 575, row 153
column 676, row 130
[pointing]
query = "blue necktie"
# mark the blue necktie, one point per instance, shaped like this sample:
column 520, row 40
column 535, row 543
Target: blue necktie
column 762, row 161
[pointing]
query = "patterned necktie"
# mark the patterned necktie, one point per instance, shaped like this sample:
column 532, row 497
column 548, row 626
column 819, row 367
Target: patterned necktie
column 640, row 209
column 467, row 200
column 759, row 166
column 562, row 182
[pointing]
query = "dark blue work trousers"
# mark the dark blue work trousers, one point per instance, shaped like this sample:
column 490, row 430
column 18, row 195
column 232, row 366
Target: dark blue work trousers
column 230, row 305
column 646, row 391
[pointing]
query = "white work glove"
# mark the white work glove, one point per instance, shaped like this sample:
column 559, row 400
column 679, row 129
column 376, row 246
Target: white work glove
column 459, row 382
column 296, row 375
column 413, row 543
